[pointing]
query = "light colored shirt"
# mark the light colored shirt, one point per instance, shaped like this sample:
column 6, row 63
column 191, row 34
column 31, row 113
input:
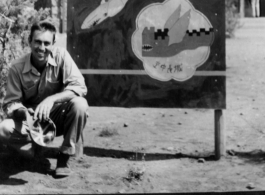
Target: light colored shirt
column 26, row 87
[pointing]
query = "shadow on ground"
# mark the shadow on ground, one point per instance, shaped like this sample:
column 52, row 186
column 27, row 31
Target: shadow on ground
column 11, row 163
column 130, row 155
column 254, row 157
column 140, row 156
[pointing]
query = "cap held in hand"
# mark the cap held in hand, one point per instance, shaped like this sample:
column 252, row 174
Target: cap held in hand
column 43, row 132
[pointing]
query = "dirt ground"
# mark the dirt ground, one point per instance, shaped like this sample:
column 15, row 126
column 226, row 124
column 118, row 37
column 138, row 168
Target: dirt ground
column 166, row 150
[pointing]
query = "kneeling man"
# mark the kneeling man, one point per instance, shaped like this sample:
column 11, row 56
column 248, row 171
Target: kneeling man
column 45, row 84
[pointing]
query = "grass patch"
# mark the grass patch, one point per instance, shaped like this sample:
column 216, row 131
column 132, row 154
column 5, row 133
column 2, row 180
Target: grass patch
column 108, row 132
column 135, row 174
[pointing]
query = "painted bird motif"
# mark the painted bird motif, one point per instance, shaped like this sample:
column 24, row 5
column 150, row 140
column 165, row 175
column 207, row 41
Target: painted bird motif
column 175, row 37
column 106, row 9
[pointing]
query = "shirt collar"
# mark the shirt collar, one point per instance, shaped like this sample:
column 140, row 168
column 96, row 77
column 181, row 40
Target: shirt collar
column 28, row 66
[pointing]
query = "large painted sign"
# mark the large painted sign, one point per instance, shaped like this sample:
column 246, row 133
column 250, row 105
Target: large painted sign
column 151, row 53
column 166, row 37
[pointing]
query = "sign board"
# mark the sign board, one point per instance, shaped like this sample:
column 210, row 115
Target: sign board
column 151, row 53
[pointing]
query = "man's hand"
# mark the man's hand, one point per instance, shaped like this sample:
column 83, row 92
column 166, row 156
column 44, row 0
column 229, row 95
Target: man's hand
column 44, row 108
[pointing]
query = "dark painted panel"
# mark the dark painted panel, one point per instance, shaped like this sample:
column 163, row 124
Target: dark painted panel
column 108, row 46
column 143, row 91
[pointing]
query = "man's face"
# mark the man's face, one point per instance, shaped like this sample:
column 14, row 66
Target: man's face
column 41, row 45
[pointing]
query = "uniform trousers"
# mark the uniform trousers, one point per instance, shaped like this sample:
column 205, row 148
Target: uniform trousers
column 69, row 118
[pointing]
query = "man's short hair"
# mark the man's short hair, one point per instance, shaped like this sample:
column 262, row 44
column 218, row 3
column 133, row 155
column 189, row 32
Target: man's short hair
column 44, row 25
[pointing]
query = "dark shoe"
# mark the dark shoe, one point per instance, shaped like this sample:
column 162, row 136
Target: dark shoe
column 40, row 165
column 63, row 167
column 24, row 149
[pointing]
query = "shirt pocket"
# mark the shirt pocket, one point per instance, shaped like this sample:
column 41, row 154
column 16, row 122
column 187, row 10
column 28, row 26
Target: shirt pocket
column 53, row 75
column 31, row 90
column 53, row 86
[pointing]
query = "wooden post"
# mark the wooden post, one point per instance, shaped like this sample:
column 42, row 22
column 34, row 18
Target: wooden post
column 219, row 134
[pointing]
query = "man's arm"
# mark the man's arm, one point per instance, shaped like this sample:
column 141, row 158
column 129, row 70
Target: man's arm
column 44, row 108
column 74, row 86
column 12, row 101
column 72, row 77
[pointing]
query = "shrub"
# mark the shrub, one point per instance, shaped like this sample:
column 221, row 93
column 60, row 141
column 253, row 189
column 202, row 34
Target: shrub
column 135, row 174
column 232, row 17
column 16, row 18
column 108, row 132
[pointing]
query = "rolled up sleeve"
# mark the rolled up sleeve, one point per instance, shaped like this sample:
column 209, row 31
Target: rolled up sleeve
column 13, row 96
column 72, row 78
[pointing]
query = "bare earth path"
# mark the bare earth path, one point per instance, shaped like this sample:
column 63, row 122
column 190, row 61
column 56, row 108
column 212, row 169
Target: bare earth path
column 148, row 141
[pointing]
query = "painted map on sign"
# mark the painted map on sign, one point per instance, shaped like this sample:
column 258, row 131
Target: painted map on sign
column 172, row 39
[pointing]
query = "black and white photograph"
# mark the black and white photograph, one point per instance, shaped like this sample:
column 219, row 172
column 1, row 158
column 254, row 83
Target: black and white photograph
column 132, row 96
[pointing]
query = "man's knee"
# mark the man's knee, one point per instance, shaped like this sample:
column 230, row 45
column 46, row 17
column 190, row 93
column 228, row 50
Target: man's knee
column 6, row 128
column 79, row 104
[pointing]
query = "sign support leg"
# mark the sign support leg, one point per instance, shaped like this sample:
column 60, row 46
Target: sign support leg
column 219, row 134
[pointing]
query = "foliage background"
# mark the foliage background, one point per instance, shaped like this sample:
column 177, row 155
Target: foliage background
column 232, row 17
column 16, row 18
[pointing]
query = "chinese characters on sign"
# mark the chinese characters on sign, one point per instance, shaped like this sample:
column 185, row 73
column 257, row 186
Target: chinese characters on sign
column 177, row 68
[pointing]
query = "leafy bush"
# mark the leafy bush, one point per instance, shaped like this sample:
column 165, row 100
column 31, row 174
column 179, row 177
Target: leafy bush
column 108, row 132
column 16, row 18
column 232, row 17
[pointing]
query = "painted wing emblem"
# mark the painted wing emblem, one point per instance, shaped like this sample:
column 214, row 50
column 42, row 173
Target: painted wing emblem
column 179, row 25
column 106, row 9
